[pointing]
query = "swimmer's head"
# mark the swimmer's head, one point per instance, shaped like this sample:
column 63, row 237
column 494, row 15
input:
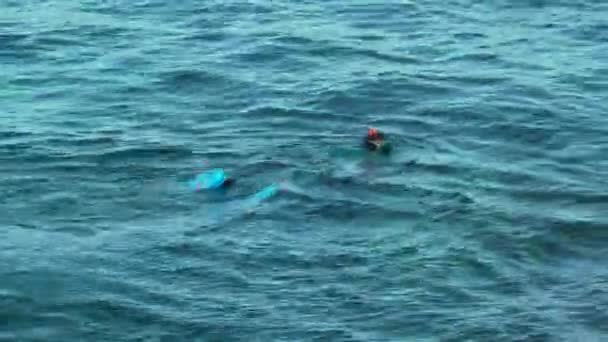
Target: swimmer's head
column 228, row 182
column 372, row 133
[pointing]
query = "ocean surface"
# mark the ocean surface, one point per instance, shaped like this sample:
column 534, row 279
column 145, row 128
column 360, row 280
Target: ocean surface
column 488, row 222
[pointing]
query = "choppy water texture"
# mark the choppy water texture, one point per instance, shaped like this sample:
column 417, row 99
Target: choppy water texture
column 488, row 223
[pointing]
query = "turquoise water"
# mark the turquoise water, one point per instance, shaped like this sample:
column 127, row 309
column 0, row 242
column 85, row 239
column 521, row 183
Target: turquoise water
column 489, row 221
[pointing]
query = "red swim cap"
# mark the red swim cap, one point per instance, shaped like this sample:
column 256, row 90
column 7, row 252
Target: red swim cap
column 372, row 133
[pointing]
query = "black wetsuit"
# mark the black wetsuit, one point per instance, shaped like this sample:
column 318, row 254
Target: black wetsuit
column 371, row 143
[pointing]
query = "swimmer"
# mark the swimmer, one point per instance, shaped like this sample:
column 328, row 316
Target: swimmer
column 228, row 182
column 374, row 141
column 212, row 179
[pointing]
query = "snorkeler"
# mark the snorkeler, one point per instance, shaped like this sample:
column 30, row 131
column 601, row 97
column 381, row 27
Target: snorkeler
column 375, row 141
column 211, row 179
column 228, row 182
